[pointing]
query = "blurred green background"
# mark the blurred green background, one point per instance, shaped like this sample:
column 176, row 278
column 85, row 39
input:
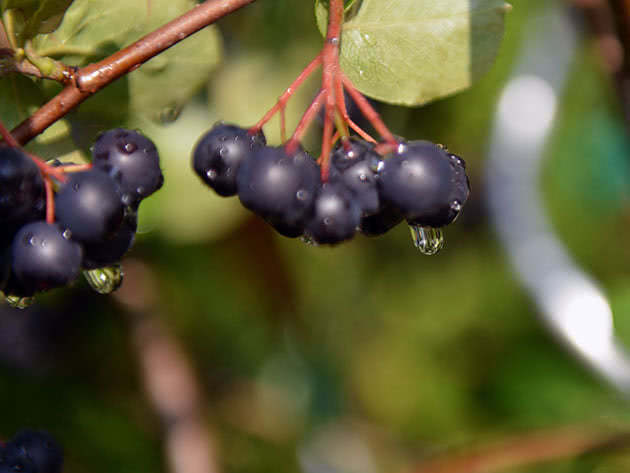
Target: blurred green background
column 368, row 347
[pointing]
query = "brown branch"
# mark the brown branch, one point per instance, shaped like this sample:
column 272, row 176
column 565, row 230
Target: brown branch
column 527, row 450
column 169, row 380
column 92, row 78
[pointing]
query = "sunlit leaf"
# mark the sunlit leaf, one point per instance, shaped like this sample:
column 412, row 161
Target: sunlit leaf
column 410, row 52
column 37, row 16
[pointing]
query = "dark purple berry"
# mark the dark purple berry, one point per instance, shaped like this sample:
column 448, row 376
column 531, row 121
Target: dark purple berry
column 278, row 187
column 381, row 222
column 336, row 214
column 89, row 205
column 41, row 448
column 425, row 183
column 220, row 152
column 43, row 258
column 355, row 168
column 110, row 251
column 22, row 197
column 132, row 159
column 14, row 460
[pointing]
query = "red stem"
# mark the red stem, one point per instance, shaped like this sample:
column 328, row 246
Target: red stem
column 92, row 78
column 284, row 98
column 283, row 125
column 368, row 111
column 48, row 171
column 76, row 167
column 8, row 137
column 310, row 113
column 50, row 200
column 330, row 70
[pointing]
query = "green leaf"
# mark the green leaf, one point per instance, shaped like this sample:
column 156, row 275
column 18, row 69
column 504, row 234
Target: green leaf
column 93, row 29
column 19, row 97
column 37, row 16
column 410, row 52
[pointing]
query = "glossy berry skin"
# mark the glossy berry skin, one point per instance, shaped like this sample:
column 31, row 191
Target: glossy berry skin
column 381, row 222
column 425, row 183
column 132, row 159
column 336, row 214
column 14, row 460
column 278, row 187
column 42, row 258
column 89, row 205
column 22, row 197
column 355, row 168
column 41, row 448
column 219, row 154
column 111, row 250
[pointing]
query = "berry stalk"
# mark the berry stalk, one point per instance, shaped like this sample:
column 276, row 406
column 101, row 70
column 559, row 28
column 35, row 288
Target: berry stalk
column 284, row 98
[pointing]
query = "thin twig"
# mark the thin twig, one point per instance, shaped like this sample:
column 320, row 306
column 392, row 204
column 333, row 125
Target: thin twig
column 92, row 78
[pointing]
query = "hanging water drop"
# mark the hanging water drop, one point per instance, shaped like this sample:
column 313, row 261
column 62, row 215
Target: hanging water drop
column 104, row 280
column 428, row 240
column 18, row 302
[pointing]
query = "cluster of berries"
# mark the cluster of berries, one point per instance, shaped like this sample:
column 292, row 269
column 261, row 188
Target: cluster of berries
column 87, row 221
column 419, row 181
column 31, row 452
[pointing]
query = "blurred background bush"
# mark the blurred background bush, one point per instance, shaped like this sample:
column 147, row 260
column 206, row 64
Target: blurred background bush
column 366, row 357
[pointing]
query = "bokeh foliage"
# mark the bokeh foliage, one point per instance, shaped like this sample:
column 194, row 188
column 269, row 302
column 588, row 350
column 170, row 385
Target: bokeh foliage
column 407, row 355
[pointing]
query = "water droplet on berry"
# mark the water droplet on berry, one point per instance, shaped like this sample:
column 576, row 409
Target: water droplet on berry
column 223, row 151
column 130, row 147
column 377, row 165
column 18, row 302
column 104, row 280
column 363, row 177
column 428, row 240
column 127, row 199
column 140, row 190
column 67, row 234
column 457, row 160
column 302, row 194
column 212, row 174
